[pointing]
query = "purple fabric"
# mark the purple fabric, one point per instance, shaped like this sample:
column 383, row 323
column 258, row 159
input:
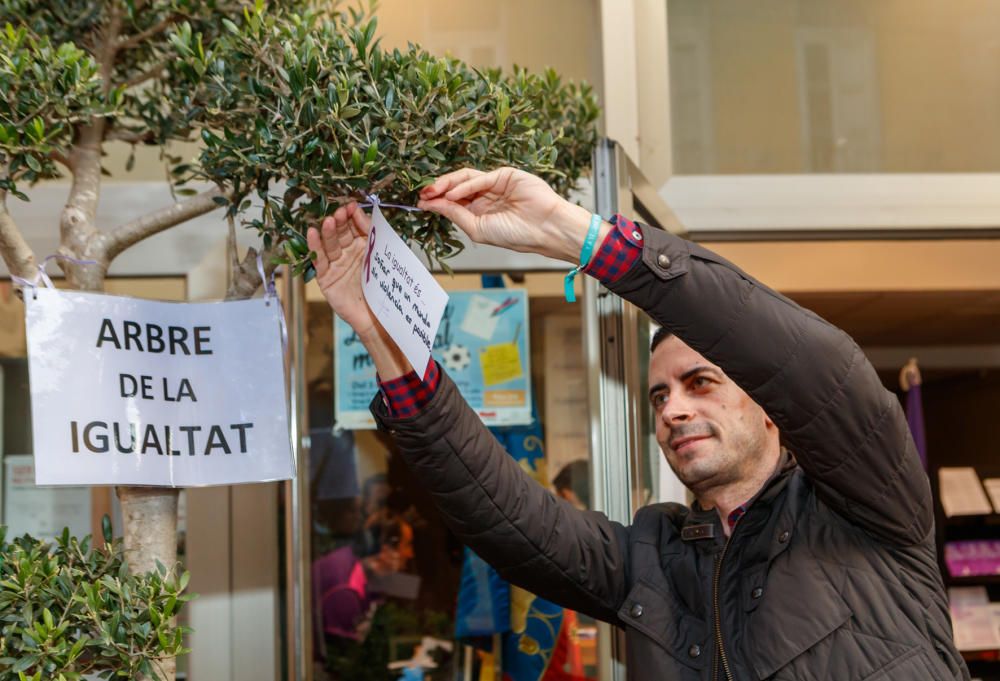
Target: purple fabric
column 915, row 419
column 339, row 606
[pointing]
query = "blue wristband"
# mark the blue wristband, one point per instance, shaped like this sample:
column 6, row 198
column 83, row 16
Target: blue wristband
column 585, row 254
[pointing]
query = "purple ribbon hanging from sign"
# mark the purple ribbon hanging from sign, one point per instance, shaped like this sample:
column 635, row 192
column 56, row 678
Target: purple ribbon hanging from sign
column 271, row 292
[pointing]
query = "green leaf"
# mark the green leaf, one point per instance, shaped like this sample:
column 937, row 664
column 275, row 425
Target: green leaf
column 106, row 529
column 503, row 111
column 33, row 163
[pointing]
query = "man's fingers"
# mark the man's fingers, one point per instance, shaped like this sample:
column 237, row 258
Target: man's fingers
column 474, row 185
column 455, row 212
column 321, row 262
column 446, row 182
column 361, row 220
column 345, row 235
column 330, row 243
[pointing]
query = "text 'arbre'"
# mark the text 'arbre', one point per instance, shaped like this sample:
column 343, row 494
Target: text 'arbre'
column 155, row 339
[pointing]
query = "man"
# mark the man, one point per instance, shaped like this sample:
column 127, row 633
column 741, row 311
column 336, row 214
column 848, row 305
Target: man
column 816, row 562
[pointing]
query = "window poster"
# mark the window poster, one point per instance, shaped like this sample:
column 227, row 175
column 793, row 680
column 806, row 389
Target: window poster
column 42, row 512
column 481, row 343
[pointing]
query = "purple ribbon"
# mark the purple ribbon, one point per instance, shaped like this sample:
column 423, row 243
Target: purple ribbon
column 368, row 256
column 271, row 292
column 268, row 282
column 42, row 276
column 374, row 201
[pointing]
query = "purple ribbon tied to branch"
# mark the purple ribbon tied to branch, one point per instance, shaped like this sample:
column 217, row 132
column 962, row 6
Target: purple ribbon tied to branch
column 42, row 276
column 373, row 201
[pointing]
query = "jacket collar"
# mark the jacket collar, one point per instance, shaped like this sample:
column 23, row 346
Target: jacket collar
column 702, row 524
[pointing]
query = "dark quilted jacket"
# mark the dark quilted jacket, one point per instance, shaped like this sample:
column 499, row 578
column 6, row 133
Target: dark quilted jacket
column 830, row 576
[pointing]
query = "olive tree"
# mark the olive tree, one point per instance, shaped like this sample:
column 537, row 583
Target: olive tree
column 296, row 109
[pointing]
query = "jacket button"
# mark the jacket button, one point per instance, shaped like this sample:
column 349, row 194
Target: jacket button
column 757, row 593
column 636, row 610
column 784, row 536
column 663, row 261
column 694, row 650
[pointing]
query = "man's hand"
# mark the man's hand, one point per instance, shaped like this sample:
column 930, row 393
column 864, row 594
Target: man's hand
column 340, row 246
column 511, row 209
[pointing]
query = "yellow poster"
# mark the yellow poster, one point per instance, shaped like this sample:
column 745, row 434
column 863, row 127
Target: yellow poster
column 500, row 363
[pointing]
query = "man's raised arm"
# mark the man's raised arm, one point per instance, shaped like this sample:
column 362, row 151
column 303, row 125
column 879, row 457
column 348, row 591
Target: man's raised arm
column 533, row 539
column 847, row 432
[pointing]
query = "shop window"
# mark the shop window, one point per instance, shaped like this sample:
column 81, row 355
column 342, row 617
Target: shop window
column 387, row 574
column 842, row 86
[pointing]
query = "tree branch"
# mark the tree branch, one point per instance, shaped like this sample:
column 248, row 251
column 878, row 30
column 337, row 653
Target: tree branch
column 234, row 256
column 131, row 41
column 14, row 250
column 106, row 59
column 77, row 222
column 245, row 279
column 132, row 232
column 275, row 71
column 119, row 134
column 149, row 74
column 60, row 157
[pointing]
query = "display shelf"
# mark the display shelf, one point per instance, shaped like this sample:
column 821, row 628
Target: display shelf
column 972, row 520
column 992, row 655
column 972, row 580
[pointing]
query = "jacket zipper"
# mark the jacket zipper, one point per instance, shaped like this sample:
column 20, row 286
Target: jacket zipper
column 719, row 647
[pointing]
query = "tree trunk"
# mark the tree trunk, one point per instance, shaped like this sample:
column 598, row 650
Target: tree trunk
column 149, row 513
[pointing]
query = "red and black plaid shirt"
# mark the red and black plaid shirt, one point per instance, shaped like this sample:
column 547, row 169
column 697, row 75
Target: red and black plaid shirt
column 407, row 395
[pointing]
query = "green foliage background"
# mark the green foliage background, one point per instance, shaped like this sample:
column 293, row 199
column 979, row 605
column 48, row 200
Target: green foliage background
column 297, row 106
column 69, row 609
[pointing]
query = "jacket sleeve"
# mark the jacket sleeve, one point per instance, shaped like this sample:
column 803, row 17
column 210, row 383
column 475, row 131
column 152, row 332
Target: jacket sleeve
column 847, row 432
column 534, row 540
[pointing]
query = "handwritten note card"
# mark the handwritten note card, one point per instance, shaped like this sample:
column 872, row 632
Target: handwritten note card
column 401, row 292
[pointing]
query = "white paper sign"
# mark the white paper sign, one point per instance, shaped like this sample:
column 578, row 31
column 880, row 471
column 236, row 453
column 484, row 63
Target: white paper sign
column 139, row 392
column 402, row 294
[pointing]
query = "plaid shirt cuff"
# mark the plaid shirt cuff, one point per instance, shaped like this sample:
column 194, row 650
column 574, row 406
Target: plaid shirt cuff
column 407, row 395
column 619, row 251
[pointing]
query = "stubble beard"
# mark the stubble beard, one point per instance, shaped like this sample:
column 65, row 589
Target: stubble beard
column 720, row 467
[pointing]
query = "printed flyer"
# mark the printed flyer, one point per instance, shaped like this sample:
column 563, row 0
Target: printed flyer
column 482, row 344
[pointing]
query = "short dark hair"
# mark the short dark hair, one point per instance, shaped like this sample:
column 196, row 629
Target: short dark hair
column 575, row 476
column 662, row 334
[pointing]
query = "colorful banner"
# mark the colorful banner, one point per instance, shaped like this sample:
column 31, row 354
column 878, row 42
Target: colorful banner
column 482, row 343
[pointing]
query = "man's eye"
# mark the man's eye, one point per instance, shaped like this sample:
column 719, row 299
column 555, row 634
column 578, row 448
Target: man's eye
column 658, row 400
column 700, row 381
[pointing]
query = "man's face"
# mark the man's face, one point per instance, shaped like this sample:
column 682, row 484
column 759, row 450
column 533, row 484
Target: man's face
column 710, row 430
